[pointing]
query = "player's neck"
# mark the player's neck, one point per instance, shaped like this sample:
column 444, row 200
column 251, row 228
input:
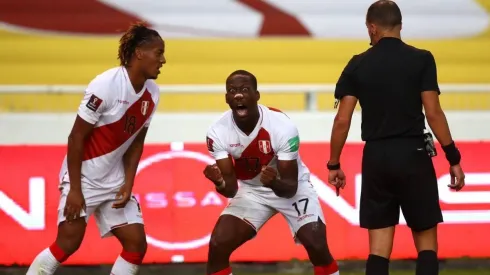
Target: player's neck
column 249, row 125
column 137, row 80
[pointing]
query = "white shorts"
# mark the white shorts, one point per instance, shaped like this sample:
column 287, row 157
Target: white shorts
column 256, row 205
column 99, row 202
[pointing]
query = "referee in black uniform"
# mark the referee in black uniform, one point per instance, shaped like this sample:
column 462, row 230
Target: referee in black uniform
column 393, row 81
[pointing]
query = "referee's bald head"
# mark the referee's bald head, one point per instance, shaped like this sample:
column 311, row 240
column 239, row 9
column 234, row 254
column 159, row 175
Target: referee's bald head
column 385, row 14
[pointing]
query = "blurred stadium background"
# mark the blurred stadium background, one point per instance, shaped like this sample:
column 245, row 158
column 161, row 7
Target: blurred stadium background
column 50, row 50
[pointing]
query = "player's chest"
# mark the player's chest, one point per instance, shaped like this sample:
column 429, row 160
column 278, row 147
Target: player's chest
column 251, row 153
column 130, row 112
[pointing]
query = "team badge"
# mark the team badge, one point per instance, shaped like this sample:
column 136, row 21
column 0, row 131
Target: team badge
column 144, row 107
column 265, row 146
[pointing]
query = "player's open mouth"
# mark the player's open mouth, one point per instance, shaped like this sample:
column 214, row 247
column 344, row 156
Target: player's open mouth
column 241, row 110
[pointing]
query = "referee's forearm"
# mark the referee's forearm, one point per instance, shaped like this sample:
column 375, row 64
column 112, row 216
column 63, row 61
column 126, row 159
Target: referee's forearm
column 340, row 131
column 438, row 123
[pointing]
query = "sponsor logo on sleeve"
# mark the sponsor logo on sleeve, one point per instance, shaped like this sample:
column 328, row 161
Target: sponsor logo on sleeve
column 94, row 103
column 210, row 143
column 293, row 144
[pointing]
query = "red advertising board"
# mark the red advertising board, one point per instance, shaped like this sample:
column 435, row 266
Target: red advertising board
column 180, row 207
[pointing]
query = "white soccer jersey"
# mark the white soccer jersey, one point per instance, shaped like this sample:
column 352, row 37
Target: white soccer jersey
column 118, row 114
column 274, row 138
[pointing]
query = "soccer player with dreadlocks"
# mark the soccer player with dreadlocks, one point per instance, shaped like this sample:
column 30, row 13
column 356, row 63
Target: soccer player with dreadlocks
column 104, row 149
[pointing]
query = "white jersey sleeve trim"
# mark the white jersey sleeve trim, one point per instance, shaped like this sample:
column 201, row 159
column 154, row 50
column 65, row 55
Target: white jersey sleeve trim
column 88, row 118
column 288, row 143
column 215, row 146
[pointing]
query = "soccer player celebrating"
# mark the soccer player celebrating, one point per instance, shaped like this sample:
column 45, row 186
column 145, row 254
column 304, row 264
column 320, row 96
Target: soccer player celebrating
column 264, row 143
column 104, row 149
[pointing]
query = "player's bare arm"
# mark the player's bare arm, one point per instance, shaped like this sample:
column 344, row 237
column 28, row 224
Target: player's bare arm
column 79, row 133
column 133, row 155
column 131, row 160
column 227, row 170
column 284, row 181
column 222, row 174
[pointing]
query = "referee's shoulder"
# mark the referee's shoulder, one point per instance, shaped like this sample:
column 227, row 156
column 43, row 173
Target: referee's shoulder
column 419, row 51
column 363, row 54
column 356, row 58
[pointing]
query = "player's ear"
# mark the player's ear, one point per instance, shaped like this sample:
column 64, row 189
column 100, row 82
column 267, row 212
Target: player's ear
column 138, row 53
column 257, row 95
column 227, row 98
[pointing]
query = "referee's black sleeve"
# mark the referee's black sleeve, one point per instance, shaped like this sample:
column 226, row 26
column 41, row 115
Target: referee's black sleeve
column 429, row 76
column 346, row 83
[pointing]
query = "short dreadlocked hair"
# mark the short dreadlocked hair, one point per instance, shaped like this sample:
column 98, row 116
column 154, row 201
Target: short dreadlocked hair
column 137, row 35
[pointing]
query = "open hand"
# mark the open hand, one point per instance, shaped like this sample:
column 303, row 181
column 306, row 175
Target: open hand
column 457, row 177
column 74, row 205
column 123, row 196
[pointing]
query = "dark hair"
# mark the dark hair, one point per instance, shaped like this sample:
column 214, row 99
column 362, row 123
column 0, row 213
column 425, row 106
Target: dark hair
column 137, row 35
column 385, row 13
column 252, row 77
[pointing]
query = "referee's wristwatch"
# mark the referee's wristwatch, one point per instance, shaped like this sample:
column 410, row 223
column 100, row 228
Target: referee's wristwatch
column 333, row 166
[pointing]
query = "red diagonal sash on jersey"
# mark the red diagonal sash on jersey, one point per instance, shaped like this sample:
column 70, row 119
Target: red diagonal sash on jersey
column 109, row 137
column 257, row 154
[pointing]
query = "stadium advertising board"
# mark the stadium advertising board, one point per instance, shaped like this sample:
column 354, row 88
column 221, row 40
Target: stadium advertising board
column 180, row 207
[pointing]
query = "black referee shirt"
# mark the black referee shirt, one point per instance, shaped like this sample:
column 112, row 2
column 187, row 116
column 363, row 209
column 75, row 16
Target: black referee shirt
column 388, row 80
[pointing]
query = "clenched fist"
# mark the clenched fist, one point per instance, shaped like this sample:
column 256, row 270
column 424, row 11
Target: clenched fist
column 268, row 176
column 337, row 179
column 212, row 173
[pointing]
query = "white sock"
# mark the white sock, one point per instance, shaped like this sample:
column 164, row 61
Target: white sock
column 123, row 267
column 44, row 264
column 335, row 273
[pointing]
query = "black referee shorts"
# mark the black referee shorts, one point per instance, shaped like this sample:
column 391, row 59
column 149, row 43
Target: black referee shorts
column 398, row 173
